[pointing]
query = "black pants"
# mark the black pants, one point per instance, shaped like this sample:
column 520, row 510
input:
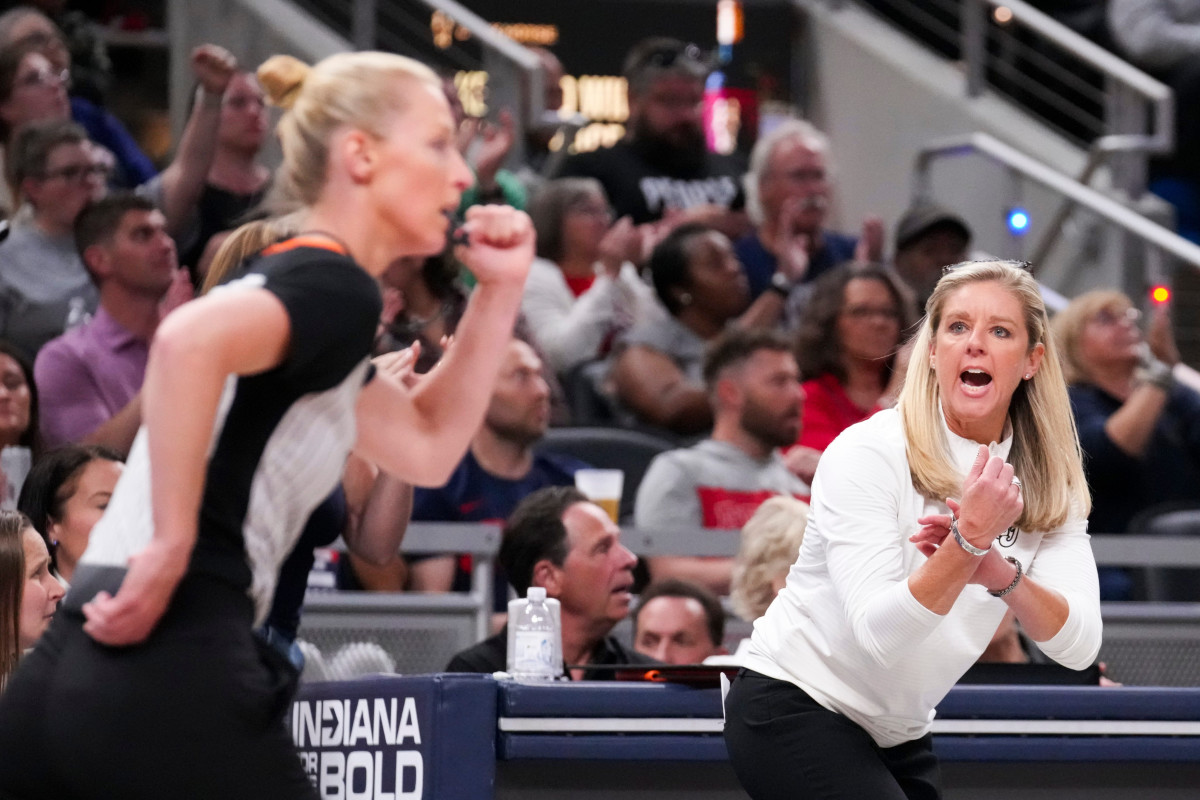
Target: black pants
column 193, row 712
column 786, row 746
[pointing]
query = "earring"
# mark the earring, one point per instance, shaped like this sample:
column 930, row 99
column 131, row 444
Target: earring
column 1028, row 375
column 685, row 298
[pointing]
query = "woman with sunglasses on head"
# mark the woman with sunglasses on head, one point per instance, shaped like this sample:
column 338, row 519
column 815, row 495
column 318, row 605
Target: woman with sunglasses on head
column 928, row 523
column 1140, row 430
column 255, row 394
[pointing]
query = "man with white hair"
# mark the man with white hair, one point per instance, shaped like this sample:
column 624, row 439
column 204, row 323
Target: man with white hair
column 787, row 190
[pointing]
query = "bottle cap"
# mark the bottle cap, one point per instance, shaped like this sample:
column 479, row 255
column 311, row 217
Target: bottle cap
column 536, row 593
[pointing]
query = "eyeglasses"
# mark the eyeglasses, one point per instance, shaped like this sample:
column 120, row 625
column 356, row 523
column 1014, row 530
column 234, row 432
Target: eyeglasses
column 1112, row 316
column 78, row 172
column 44, row 77
column 665, row 57
column 871, row 312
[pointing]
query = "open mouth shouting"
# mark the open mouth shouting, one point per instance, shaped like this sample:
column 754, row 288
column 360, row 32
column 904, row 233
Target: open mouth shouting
column 974, row 381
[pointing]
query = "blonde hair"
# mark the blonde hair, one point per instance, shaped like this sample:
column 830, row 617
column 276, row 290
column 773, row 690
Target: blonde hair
column 245, row 241
column 346, row 89
column 770, row 543
column 1045, row 450
column 1069, row 323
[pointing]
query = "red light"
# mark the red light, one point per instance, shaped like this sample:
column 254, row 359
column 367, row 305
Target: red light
column 1160, row 294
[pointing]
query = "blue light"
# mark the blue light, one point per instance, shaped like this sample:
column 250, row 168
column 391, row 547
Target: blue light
column 1018, row 221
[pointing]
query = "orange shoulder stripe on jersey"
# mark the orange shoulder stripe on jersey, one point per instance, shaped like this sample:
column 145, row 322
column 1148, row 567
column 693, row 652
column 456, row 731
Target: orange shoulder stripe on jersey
column 310, row 240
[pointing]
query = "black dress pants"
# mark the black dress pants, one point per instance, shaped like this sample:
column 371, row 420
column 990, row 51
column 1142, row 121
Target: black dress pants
column 786, row 746
column 195, row 711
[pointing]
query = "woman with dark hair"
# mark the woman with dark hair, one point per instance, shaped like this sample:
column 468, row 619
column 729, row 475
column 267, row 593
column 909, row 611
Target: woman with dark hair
column 18, row 402
column 18, row 420
column 423, row 302
column 583, row 288
column 657, row 369
column 848, row 347
column 65, row 495
column 29, row 593
column 424, row 299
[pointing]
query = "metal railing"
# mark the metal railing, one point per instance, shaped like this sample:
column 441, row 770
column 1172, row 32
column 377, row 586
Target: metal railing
column 1131, row 100
column 1158, row 240
column 1125, row 86
column 421, row 631
column 1066, row 80
column 1110, row 549
column 1119, row 114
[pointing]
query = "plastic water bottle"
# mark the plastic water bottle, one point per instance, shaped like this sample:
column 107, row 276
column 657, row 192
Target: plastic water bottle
column 535, row 639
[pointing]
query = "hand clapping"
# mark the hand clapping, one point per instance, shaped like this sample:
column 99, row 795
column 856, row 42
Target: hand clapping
column 991, row 500
column 995, row 504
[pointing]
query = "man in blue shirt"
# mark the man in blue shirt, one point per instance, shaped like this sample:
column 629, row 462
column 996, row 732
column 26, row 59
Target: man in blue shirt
column 788, row 191
column 499, row 470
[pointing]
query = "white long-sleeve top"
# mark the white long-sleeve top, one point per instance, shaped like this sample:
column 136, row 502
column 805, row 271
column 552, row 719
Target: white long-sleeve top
column 571, row 330
column 847, row 629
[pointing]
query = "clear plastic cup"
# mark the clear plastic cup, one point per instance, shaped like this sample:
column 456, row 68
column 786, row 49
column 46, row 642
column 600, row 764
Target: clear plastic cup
column 603, row 487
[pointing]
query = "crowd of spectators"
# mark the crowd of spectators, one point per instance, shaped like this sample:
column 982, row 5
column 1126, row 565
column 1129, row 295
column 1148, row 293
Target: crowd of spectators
column 689, row 295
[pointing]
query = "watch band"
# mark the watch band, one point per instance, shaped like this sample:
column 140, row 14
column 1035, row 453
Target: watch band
column 1016, row 578
column 963, row 543
column 779, row 283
